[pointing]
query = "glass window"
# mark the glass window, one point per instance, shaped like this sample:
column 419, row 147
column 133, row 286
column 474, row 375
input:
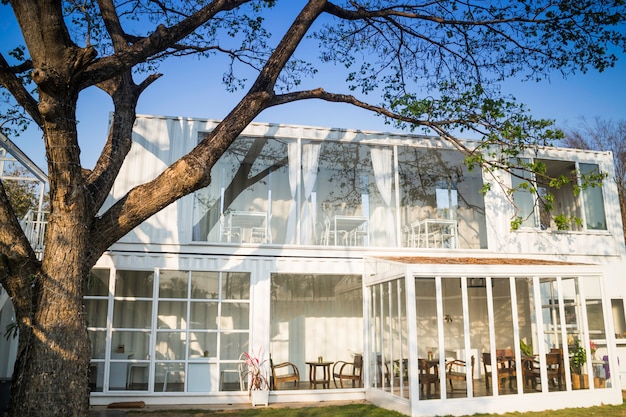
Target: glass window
column 134, row 283
column 207, row 328
column 173, row 284
column 427, row 337
column 523, row 197
column 97, row 283
column 593, row 199
column 436, row 185
column 304, row 309
column 559, row 198
column 237, row 206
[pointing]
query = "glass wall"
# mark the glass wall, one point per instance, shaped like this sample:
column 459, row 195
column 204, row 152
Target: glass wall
column 440, row 200
column 315, row 317
column 170, row 330
column 389, row 335
column 429, row 352
column 491, row 336
column 333, row 193
column 584, row 210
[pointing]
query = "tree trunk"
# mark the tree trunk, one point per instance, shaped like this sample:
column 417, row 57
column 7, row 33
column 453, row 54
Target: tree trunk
column 51, row 369
column 51, row 372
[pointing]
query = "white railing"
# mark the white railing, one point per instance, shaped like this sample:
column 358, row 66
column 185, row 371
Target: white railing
column 34, row 226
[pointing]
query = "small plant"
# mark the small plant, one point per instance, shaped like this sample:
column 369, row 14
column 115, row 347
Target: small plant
column 256, row 371
column 527, row 350
column 577, row 357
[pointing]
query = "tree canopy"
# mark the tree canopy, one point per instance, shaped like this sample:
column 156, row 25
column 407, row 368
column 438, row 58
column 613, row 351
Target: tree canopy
column 433, row 65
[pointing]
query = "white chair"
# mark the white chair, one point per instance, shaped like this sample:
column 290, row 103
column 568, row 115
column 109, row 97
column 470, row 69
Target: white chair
column 261, row 234
column 330, row 235
column 170, row 369
column 359, row 236
column 229, row 233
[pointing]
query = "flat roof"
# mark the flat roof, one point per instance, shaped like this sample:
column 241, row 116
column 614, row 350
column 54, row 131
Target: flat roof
column 472, row 261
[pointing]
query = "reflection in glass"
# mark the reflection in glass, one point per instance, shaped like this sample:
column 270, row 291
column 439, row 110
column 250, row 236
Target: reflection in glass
column 232, row 345
column 235, row 316
column 172, row 315
column 593, row 200
column 202, row 344
column 97, row 283
column 132, row 314
column 98, row 343
column 506, row 369
column 436, row 184
column 235, row 286
column 96, row 312
column 134, row 283
column 170, row 345
column 205, row 284
column 173, row 284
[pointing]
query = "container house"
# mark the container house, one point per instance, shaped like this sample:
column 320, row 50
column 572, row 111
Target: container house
column 365, row 265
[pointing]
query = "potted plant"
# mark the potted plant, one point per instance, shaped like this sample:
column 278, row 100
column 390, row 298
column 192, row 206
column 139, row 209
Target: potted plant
column 577, row 359
column 257, row 374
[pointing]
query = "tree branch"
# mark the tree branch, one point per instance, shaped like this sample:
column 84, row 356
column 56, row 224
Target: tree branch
column 160, row 40
column 11, row 82
column 319, row 93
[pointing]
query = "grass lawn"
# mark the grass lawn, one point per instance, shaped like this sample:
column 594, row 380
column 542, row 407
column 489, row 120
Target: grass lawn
column 361, row 410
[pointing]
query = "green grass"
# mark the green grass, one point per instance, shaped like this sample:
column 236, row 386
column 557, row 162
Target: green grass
column 367, row 410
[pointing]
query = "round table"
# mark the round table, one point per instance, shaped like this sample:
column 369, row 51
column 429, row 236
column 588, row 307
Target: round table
column 325, row 377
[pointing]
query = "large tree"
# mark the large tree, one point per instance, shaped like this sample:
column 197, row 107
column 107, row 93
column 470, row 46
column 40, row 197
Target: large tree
column 434, row 64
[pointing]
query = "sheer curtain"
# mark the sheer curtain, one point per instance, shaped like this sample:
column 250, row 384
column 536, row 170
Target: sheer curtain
column 310, row 163
column 382, row 163
column 292, row 153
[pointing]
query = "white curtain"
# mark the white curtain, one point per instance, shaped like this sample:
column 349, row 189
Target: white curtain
column 382, row 164
column 310, row 163
column 292, row 153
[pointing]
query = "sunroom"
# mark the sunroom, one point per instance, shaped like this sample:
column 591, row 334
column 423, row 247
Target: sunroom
column 452, row 336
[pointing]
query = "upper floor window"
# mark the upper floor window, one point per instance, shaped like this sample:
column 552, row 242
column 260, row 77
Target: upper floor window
column 568, row 203
column 338, row 193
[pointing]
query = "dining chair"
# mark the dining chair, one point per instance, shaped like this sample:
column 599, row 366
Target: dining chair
column 504, row 368
column 428, row 378
column 456, row 370
column 349, row 371
column 284, row 372
column 532, row 370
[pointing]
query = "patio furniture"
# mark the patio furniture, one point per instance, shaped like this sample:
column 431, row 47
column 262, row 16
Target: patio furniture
column 313, row 379
column 532, row 369
column 332, row 236
column 456, row 370
column 350, row 371
column 504, row 368
column 229, row 233
column 252, row 225
column 379, row 366
column 284, row 372
column 434, row 233
column 426, row 377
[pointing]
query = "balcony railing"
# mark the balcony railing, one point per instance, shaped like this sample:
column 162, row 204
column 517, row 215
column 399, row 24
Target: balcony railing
column 34, row 225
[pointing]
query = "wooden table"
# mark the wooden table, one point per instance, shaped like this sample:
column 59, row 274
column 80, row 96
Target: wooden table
column 313, row 379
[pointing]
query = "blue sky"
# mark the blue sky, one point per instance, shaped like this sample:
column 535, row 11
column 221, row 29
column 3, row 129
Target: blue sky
column 192, row 88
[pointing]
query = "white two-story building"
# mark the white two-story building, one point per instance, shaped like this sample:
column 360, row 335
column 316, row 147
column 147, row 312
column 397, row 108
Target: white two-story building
column 318, row 245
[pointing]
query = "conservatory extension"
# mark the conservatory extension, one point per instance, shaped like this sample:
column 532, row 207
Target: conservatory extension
column 319, row 248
